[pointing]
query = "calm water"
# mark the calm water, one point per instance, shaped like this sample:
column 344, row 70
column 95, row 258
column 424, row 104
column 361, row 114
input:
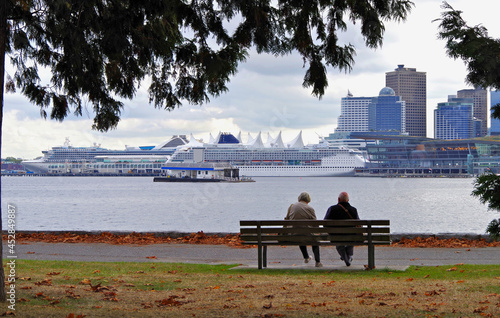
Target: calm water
column 138, row 204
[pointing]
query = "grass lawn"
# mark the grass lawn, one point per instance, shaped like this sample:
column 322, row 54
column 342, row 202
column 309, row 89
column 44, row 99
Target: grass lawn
column 100, row 289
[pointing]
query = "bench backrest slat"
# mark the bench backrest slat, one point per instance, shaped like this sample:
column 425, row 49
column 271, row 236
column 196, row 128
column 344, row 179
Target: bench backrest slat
column 314, row 222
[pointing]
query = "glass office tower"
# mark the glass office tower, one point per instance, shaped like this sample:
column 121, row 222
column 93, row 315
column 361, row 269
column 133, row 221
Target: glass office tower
column 480, row 107
column 495, row 123
column 453, row 119
column 387, row 112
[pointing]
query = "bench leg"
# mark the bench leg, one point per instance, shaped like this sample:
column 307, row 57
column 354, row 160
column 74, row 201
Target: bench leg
column 265, row 256
column 259, row 256
column 371, row 256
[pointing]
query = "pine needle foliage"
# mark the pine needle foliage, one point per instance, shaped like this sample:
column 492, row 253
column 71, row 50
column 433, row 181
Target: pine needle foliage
column 99, row 52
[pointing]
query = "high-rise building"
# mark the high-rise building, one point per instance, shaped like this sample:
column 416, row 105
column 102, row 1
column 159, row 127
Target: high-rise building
column 480, row 109
column 495, row 122
column 453, row 119
column 353, row 114
column 412, row 87
column 387, row 112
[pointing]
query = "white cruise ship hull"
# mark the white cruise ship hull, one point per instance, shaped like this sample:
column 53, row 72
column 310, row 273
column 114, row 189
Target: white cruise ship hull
column 295, row 171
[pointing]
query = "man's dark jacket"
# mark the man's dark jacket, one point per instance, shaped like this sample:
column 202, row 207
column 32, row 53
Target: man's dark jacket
column 335, row 212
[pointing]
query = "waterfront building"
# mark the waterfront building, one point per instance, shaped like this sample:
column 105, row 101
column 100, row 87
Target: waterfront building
column 480, row 107
column 495, row 122
column 10, row 167
column 387, row 112
column 353, row 114
column 419, row 156
column 453, row 119
column 412, row 87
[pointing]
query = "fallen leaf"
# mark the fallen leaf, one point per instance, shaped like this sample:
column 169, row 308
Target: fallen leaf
column 480, row 310
column 431, row 293
column 85, row 282
column 72, row 294
column 45, row 282
column 53, row 273
column 268, row 306
column 169, row 302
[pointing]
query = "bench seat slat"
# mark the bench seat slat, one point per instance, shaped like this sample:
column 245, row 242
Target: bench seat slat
column 336, row 230
column 322, row 243
column 319, row 238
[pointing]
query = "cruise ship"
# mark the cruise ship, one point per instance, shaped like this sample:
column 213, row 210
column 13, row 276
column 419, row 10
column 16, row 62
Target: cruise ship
column 67, row 159
column 272, row 158
column 253, row 158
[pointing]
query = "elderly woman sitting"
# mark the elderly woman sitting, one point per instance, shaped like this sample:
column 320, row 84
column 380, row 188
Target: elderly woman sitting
column 303, row 211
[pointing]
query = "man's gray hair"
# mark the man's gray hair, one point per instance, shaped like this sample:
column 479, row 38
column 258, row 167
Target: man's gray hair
column 304, row 196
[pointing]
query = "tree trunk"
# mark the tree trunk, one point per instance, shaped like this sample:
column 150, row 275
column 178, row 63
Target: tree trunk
column 3, row 38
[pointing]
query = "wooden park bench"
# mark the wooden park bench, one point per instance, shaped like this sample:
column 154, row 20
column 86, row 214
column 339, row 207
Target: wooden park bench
column 314, row 232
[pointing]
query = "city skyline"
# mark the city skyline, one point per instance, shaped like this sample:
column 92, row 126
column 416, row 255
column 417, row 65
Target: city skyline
column 266, row 95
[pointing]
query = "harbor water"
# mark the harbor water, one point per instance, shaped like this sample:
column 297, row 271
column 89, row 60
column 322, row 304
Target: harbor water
column 413, row 205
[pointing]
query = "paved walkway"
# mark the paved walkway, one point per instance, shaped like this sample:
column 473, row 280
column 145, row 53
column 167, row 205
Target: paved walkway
column 395, row 258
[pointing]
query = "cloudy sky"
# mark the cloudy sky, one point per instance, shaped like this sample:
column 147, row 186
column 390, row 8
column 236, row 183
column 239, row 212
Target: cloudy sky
column 266, row 95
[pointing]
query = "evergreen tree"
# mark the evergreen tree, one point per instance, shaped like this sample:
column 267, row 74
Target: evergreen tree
column 481, row 54
column 99, row 51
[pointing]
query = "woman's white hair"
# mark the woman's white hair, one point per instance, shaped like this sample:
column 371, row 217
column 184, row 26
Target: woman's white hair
column 304, row 196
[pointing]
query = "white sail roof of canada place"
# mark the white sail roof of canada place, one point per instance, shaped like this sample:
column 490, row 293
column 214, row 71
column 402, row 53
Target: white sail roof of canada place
column 193, row 142
column 297, row 142
column 257, row 142
column 252, row 142
column 274, row 142
column 211, row 139
column 250, row 139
